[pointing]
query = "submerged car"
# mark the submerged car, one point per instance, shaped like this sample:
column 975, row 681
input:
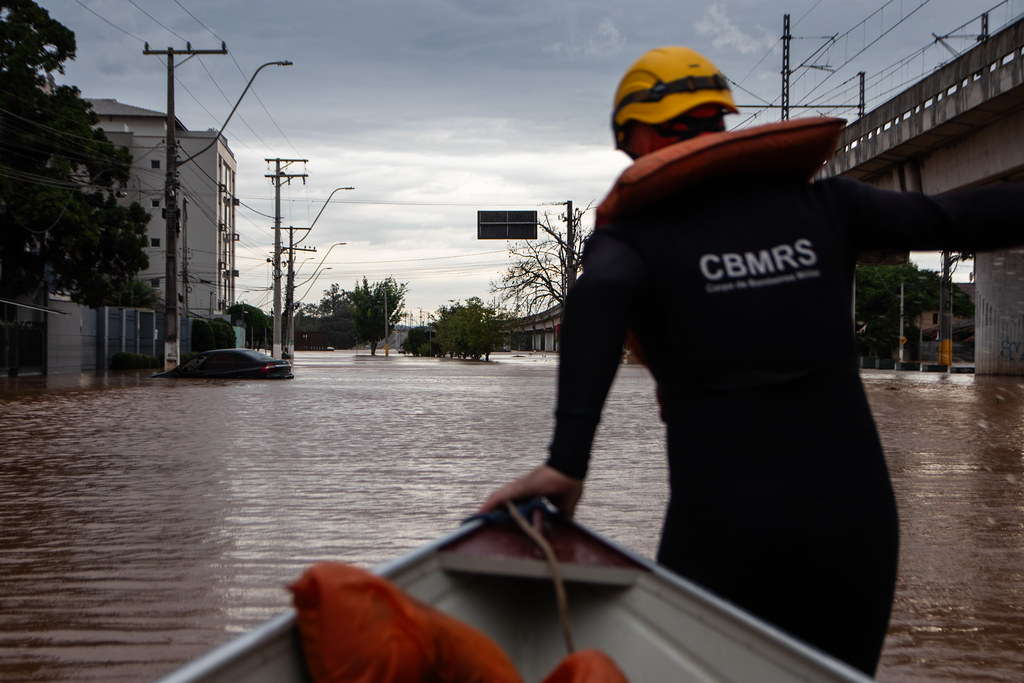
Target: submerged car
column 232, row 364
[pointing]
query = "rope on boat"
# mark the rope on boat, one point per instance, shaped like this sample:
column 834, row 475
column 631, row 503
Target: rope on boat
column 556, row 576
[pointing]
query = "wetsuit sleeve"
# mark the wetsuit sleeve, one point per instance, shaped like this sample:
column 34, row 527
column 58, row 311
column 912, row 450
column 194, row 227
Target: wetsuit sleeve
column 593, row 332
column 978, row 219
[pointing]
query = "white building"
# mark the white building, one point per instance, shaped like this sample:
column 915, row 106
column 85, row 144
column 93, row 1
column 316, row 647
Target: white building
column 206, row 244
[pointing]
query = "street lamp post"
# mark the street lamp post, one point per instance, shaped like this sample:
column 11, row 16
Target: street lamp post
column 171, row 345
column 290, row 323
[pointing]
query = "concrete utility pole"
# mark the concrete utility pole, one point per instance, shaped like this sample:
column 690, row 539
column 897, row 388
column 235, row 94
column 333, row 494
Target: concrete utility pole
column 171, row 203
column 288, row 346
column 945, row 335
column 570, row 252
column 280, row 176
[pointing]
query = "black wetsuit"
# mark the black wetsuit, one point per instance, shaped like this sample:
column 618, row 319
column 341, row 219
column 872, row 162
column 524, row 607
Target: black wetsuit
column 740, row 294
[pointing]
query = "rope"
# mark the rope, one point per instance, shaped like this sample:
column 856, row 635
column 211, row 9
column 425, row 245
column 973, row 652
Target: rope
column 556, row 576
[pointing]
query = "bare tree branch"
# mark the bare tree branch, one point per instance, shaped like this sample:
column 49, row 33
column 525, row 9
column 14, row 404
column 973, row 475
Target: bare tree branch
column 542, row 271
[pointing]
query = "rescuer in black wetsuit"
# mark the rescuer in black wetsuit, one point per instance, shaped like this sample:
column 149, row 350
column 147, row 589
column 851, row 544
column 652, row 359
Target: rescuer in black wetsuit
column 780, row 496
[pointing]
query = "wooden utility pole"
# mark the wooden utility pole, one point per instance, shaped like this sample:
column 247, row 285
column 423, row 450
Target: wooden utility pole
column 171, row 321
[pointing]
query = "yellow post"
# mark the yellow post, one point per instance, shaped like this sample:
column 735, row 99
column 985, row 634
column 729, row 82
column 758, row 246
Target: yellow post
column 945, row 351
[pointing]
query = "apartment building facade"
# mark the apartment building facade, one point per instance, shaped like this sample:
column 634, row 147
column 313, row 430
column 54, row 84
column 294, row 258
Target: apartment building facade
column 207, row 199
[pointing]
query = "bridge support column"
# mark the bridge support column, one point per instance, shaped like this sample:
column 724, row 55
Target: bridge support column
column 999, row 313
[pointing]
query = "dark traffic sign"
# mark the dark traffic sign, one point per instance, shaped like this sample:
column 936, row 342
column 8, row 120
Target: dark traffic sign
column 506, row 225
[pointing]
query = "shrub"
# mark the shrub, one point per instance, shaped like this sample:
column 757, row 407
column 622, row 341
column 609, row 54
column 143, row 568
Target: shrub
column 223, row 334
column 133, row 361
column 202, row 336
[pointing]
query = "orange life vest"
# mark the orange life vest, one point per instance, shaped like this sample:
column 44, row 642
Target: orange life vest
column 796, row 148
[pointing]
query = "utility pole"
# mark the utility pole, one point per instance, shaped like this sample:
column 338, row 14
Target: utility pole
column 570, row 252
column 279, row 177
column 288, row 350
column 945, row 335
column 171, row 203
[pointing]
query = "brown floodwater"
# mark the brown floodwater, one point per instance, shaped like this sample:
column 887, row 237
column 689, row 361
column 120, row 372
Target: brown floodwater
column 144, row 521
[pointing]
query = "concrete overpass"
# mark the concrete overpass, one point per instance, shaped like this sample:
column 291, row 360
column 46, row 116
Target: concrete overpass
column 962, row 126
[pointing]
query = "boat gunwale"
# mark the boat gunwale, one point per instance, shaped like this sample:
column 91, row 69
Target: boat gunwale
column 284, row 625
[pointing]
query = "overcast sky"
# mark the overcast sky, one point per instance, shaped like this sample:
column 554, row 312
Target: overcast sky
column 434, row 109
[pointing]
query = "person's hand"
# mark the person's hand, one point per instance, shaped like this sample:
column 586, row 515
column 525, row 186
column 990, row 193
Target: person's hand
column 563, row 491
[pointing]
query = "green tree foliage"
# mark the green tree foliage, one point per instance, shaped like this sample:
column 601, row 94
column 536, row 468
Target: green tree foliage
column 59, row 176
column 223, row 334
column 367, row 304
column 418, row 342
column 136, row 294
column 332, row 315
column 470, row 330
column 877, row 308
column 258, row 328
column 203, row 338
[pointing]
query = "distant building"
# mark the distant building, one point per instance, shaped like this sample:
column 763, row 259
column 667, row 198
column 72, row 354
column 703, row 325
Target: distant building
column 206, row 244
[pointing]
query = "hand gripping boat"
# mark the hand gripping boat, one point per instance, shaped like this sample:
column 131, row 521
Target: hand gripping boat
column 498, row 578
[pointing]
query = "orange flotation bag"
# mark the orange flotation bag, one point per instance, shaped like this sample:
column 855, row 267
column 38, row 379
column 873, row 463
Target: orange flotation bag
column 797, row 148
column 356, row 627
column 586, row 666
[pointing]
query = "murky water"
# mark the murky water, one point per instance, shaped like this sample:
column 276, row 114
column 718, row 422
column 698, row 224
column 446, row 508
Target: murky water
column 144, row 521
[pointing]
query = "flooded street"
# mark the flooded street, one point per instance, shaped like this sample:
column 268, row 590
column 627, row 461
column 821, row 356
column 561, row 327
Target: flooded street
column 144, row 521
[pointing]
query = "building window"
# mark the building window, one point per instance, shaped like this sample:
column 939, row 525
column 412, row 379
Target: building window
column 154, row 241
column 154, row 282
column 154, row 163
column 156, row 203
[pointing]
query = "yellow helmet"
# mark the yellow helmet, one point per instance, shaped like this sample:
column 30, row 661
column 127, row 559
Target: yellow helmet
column 664, row 83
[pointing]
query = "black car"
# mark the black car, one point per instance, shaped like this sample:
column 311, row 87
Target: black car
column 232, row 364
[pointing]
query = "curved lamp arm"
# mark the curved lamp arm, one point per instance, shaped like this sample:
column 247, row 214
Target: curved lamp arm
column 247, row 85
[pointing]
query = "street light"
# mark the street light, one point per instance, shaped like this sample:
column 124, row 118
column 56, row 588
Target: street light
column 290, row 313
column 314, row 277
column 171, row 322
column 284, row 62
column 326, row 201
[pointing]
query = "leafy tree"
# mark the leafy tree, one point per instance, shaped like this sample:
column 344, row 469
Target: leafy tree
column 136, row 294
column 59, row 176
column 257, row 325
column 203, row 338
column 370, row 305
column 418, row 342
column 332, row 315
column 544, row 270
column 223, row 334
column 877, row 308
column 470, row 330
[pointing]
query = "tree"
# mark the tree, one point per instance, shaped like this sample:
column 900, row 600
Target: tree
column 332, row 315
column 418, row 342
column 203, row 338
column 257, row 324
column 59, row 176
column 470, row 330
column 877, row 309
column 544, row 270
column 223, row 334
column 372, row 305
column 136, row 294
